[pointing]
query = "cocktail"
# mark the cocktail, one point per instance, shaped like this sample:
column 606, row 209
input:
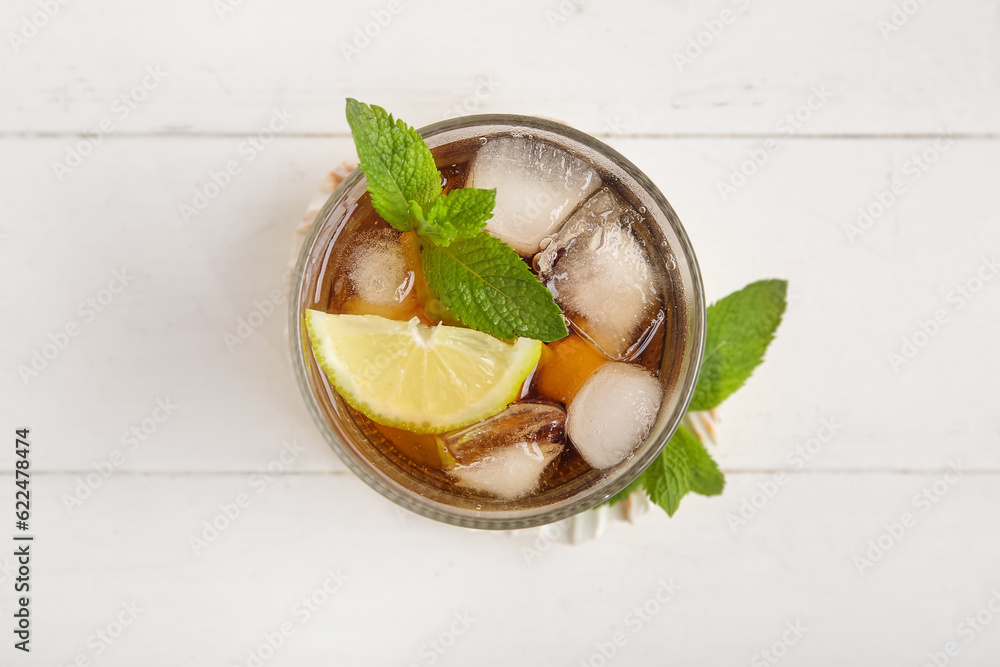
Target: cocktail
column 507, row 376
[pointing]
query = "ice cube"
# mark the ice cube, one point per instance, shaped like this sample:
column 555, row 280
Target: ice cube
column 378, row 271
column 538, row 186
column 505, row 455
column 601, row 275
column 612, row 413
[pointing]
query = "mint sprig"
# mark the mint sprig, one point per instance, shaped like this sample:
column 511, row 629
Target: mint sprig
column 397, row 163
column 460, row 214
column 475, row 275
column 740, row 328
column 487, row 286
column 685, row 465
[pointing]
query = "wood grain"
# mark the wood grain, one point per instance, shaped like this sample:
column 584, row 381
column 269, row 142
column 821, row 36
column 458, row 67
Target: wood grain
column 830, row 445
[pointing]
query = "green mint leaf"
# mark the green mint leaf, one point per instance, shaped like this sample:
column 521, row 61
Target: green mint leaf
column 683, row 466
column 476, row 276
column 460, row 214
column 397, row 163
column 739, row 329
column 489, row 288
column 706, row 478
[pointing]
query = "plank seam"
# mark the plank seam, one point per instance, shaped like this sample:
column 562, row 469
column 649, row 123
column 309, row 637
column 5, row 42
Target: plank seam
column 741, row 136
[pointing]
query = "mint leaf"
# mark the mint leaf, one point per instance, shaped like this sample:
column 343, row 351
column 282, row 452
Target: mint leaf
column 489, row 288
column 684, row 465
column 479, row 278
column 460, row 214
column 397, row 163
column 740, row 327
column 706, row 478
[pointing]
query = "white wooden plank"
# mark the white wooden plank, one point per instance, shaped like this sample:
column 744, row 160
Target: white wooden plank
column 780, row 546
column 854, row 297
column 604, row 68
column 530, row 602
column 163, row 337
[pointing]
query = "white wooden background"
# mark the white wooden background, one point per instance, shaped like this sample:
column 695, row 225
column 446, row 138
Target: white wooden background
column 408, row 585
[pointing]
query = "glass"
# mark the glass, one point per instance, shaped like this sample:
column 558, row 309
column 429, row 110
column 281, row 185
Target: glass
column 364, row 450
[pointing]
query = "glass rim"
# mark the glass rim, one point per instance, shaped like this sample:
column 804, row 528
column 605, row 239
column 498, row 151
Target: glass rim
column 535, row 516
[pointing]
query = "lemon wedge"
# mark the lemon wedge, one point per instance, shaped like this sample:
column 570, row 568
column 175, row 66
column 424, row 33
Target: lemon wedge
column 426, row 379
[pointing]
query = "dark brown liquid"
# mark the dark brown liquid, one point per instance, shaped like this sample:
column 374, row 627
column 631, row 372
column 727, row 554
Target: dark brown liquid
column 418, row 454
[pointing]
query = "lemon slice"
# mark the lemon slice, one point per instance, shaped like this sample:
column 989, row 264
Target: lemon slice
column 416, row 377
